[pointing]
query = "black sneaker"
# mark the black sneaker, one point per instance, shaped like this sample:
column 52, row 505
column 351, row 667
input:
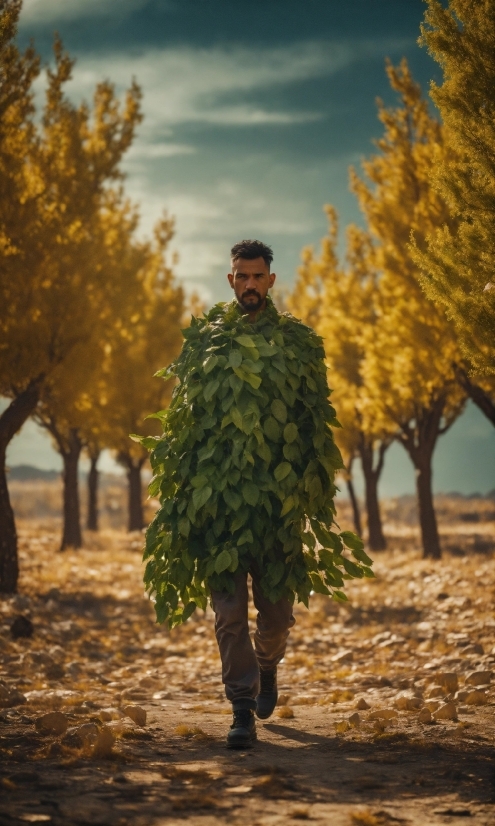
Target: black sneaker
column 242, row 732
column 268, row 696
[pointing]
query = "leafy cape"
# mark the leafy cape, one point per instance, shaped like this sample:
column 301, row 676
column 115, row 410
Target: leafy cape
column 245, row 467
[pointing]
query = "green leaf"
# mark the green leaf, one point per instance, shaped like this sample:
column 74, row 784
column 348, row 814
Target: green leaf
column 235, row 560
column 352, row 569
column 232, row 499
column 272, row 429
column 188, row 611
column 235, row 358
column 362, row 556
column 237, row 418
column 251, row 493
column 279, row 410
column 240, row 520
column 264, row 452
column 290, row 432
column 200, row 496
column 245, row 341
column 211, row 388
column 223, row 561
column 318, row 585
column 199, row 481
column 253, row 380
column 352, row 541
column 288, row 505
column 184, row 526
column 210, row 364
column 282, row 471
column 141, row 439
column 339, row 596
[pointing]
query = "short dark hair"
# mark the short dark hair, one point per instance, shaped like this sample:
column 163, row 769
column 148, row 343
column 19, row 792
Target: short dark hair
column 250, row 250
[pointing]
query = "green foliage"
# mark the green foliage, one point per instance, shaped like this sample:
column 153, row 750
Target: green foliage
column 245, row 467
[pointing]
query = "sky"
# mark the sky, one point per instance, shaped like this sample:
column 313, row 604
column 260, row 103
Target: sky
column 253, row 112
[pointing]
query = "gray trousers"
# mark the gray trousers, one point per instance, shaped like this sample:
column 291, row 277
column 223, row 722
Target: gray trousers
column 240, row 661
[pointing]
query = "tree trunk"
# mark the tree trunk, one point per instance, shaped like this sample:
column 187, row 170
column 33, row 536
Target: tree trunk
column 71, row 536
column 136, row 515
column 376, row 538
column 355, row 507
column 93, row 478
column 427, row 516
column 476, row 393
column 419, row 438
column 11, row 422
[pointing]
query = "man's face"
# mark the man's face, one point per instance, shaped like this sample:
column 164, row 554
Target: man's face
column 251, row 280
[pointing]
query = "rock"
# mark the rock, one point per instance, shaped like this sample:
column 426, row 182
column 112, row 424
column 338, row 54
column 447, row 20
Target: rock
column 406, row 702
column 136, row 713
column 449, row 680
column 362, row 705
column 74, row 670
column 476, row 698
column 479, row 678
column 446, row 712
column 108, row 714
column 424, row 715
column 355, row 719
column 39, row 658
column 475, row 648
column 383, row 714
column 149, row 682
column 88, row 732
column 57, row 652
column 21, row 602
column 343, row 657
column 55, row 671
column 134, row 693
column 342, row 726
column 104, row 743
column 21, row 627
column 10, row 697
column 54, row 722
column 122, row 726
column 436, row 691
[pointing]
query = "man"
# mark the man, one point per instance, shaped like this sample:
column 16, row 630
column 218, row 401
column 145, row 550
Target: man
column 250, row 675
column 245, row 473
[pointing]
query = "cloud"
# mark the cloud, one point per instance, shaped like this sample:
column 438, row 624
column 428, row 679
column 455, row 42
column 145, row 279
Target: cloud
column 186, row 85
column 50, row 11
column 152, row 151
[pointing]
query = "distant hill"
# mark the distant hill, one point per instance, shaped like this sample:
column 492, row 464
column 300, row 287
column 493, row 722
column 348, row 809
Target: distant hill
column 24, row 473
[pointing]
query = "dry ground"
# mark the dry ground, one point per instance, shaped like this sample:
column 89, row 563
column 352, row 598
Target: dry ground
column 96, row 650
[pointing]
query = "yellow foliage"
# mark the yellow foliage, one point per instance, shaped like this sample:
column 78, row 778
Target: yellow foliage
column 459, row 261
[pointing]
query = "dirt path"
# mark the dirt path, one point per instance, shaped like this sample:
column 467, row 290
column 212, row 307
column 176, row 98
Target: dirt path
column 96, row 650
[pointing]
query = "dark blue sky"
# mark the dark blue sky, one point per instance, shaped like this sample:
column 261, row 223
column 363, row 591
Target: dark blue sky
column 254, row 110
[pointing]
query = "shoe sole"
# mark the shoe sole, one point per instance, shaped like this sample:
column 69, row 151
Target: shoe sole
column 264, row 716
column 247, row 745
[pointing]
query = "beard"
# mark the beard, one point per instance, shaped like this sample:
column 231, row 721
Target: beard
column 251, row 300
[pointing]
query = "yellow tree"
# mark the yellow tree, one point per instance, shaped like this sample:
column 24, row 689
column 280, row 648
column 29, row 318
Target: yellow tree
column 458, row 262
column 412, row 349
column 71, row 408
column 338, row 303
column 57, row 172
column 133, row 393
column 18, row 220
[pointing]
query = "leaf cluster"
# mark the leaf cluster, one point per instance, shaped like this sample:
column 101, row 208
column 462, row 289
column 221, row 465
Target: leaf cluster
column 245, row 467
